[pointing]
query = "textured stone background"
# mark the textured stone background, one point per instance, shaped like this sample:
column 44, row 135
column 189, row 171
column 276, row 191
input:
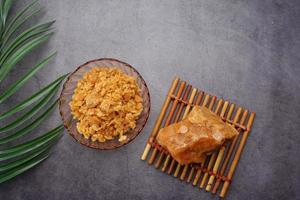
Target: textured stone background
column 245, row 51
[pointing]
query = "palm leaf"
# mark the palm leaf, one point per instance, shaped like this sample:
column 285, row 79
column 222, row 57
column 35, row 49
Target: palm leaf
column 21, row 169
column 4, row 10
column 21, row 17
column 8, row 166
column 31, row 145
column 33, row 98
column 5, row 7
column 20, row 53
column 14, row 46
column 18, row 84
column 32, row 32
column 29, row 114
column 29, row 127
column 37, row 154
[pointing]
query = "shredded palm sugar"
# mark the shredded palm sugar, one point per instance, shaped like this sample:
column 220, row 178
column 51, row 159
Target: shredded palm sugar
column 106, row 103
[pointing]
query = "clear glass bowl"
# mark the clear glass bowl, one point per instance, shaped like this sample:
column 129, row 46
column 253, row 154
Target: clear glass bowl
column 68, row 90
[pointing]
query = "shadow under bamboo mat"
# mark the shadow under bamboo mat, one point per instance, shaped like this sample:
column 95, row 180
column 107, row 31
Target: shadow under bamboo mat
column 217, row 171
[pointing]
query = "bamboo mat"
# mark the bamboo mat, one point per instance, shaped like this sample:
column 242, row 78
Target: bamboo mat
column 218, row 169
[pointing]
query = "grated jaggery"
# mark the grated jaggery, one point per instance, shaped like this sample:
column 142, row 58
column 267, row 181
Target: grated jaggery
column 106, row 103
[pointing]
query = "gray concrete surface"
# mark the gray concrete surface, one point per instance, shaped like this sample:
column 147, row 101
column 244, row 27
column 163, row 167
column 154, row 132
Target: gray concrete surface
column 245, row 51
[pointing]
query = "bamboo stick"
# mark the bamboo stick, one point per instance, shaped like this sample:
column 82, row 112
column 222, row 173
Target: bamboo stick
column 173, row 162
column 172, row 165
column 199, row 98
column 168, row 120
column 197, row 176
column 220, row 155
column 187, row 109
column 160, row 117
column 199, row 171
column 154, row 152
column 229, row 153
column 176, row 101
column 191, row 99
column 237, row 155
column 191, row 175
column 179, row 112
column 220, row 102
column 212, row 103
column 177, row 170
column 214, row 155
column 224, row 109
column 183, row 174
column 206, row 98
column 167, row 160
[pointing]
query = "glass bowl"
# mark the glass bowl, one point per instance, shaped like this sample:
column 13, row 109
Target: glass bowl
column 67, row 93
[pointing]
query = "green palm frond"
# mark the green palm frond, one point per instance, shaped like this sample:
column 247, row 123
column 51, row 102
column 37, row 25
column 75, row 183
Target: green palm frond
column 29, row 114
column 18, row 84
column 5, row 167
column 14, row 46
column 20, row 17
column 32, row 99
column 29, row 127
column 5, row 7
column 31, row 145
column 23, row 168
column 20, row 53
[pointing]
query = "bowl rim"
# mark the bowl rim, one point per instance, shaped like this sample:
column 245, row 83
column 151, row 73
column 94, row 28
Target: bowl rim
column 64, row 86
